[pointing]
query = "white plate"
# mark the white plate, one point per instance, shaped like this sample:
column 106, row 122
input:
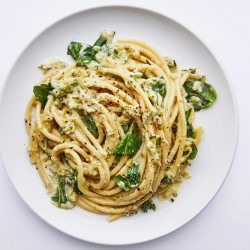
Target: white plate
column 216, row 150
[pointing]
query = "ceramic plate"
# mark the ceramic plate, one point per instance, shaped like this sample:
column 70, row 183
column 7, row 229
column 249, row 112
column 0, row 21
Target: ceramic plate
column 208, row 170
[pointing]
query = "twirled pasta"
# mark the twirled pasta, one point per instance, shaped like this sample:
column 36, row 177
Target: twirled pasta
column 128, row 83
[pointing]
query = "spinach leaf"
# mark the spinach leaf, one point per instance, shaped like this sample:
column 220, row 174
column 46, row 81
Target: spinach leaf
column 104, row 139
column 41, row 92
column 193, row 152
column 89, row 122
column 68, row 89
column 160, row 88
column 122, row 182
column 157, row 84
column 190, row 131
column 117, row 159
column 74, row 49
column 187, row 114
column 75, row 187
column 133, row 175
column 207, row 94
column 86, row 56
column 129, row 144
column 125, row 128
column 149, row 204
column 165, row 182
column 84, row 53
column 60, row 196
column 131, row 180
column 100, row 41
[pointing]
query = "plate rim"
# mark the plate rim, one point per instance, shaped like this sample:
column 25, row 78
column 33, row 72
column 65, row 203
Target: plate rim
column 177, row 21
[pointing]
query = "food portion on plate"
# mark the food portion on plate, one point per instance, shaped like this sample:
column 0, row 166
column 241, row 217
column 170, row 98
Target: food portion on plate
column 114, row 128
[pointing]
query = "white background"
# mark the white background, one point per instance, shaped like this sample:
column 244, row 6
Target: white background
column 225, row 27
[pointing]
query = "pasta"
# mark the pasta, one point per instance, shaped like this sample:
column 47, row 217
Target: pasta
column 114, row 128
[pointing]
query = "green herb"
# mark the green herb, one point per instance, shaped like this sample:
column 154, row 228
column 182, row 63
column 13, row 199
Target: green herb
column 117, row 159
column 74, row 49
column 86, row 56
column 61, row 131
column 193, row 152
column 68, row 89
column 172, row 66
column 83, row 53
column 190, row 131
column 122, row 182
column 149, row 204
column 131, row 180
column 158, row 142
column 104, row 139
column 62, row 158
column 41, row 92
column 168, row 180
column 149, row 116
column 100, row 41
column 136, row 76
column 129, row 144
column 76, row 188
column 133, row 175
column 89, row 122
column 160, row 88
column 207, row 95
column 125, row 128
column 60, row 196
column 187, row 114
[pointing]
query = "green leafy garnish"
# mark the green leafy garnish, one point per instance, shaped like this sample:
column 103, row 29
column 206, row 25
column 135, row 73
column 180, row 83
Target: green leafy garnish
column 207, row 95
column 122, row 182
column 89, row 122
column 193, row 152
column 74, row 49
column 75, row 187
column 149, row 204
column 41, row 92
column 83, row 53
column 187, row 114
column 117, row 159
column 60, row 196
column 133, row 175
column 129, row 144
column 158, row 142
column 125, row 128
column 68, row 89
column 100, row 41
column 131, row 180
column 136, row 76
column 157, row 84
column 104, row 139
column 190, row 131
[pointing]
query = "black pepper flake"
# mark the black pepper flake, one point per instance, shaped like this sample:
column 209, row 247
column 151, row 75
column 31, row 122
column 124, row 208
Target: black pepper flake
column 172, row 200
column 71, row 147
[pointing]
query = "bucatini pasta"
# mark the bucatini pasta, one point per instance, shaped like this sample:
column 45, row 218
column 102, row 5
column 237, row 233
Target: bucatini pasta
column 114, row 128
